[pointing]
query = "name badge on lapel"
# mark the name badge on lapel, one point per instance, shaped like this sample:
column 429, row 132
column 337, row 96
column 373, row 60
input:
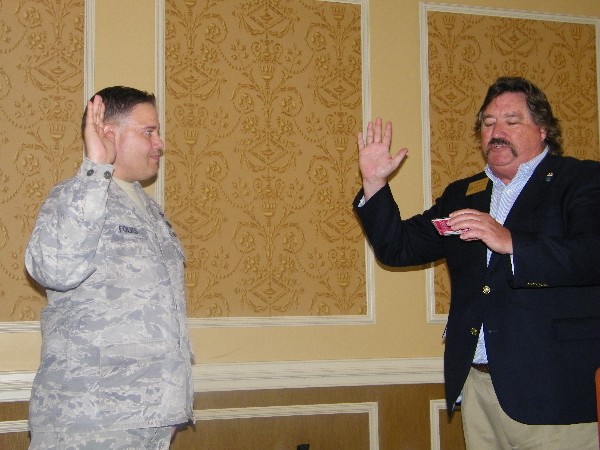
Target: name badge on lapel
column 477, row 186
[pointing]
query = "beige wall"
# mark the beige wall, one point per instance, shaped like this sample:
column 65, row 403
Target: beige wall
column 125, row 38
column 125, row 44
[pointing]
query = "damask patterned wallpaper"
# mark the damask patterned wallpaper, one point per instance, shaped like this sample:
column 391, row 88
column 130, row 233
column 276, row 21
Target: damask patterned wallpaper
column 467, row 52
column 41, row 93
column 263, row 104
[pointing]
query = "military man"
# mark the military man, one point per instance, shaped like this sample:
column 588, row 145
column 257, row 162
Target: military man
column 115, row 371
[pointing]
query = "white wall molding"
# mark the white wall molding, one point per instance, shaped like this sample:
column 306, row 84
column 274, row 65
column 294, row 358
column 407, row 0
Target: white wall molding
column 16, row 386
column 14, row 426
column 20, row 327
column 159, row 91
column 312, row 374
column 33, row 326
column 435, row 406
column 89, row 50
column 370, row 408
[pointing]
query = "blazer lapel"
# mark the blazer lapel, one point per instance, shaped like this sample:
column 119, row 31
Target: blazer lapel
column 480, row 200
column 534, row 190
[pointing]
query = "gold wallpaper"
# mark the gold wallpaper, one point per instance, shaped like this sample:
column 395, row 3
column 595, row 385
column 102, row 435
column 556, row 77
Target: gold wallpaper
column 263, row 103
column 467, row 53
column 41, row 92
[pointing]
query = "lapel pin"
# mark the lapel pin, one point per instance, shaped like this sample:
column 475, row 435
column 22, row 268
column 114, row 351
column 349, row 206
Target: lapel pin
column 549, row 177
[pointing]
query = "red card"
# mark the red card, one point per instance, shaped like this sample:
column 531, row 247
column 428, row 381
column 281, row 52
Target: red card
column 441, row 225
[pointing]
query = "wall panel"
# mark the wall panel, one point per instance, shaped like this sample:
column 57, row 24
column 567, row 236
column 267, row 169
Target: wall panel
column 41, row 98
column 263, row 103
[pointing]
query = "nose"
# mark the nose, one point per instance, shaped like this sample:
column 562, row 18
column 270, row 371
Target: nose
column 159, row 144
column 498, row 130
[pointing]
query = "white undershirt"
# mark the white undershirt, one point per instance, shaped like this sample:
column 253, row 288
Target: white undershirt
column 133, row 194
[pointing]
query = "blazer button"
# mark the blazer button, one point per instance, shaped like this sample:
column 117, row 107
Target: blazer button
column 474, row 331
column 486, row 290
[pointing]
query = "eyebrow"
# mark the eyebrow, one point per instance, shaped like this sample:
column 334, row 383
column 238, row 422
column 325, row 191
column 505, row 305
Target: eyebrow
column 506, row 115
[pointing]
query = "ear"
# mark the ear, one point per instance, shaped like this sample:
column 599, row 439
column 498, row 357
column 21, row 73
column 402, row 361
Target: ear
column 543, row 134
column 109, row 129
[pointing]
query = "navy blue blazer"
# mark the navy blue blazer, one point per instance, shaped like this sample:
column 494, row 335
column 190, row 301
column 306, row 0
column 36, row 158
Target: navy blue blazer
column 542, row 321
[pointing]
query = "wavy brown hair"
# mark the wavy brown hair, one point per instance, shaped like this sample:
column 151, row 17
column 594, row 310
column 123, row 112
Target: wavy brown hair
column 537, row 103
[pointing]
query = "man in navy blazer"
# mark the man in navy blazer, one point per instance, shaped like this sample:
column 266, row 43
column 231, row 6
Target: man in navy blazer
column 523, row 332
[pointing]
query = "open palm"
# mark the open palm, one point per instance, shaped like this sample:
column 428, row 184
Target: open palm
column 99, row 139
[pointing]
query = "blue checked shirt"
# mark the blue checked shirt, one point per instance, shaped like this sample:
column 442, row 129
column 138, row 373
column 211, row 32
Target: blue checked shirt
column 503, row 199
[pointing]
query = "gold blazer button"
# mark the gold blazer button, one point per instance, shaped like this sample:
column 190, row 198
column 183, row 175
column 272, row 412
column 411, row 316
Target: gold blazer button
column 486, row 290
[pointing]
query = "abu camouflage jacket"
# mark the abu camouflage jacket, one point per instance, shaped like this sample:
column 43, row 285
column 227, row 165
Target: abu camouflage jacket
column 115, row 349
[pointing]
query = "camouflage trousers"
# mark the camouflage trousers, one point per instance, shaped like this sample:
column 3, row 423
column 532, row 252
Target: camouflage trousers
column 138, row 439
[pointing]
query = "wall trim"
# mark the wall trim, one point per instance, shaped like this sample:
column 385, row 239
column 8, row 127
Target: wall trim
column 16, row 386
column 14, row 426
column 20, row 327
column 312, row 374
column 159, row 91
column 34, row 326
column 279, row 321
column 508, row 12
column 159, row 184
column 435, row 406
column 89, row 52
column 370, row 408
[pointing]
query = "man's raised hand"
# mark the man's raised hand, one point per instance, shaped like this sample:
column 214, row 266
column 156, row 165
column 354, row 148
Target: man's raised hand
column 98, row 137
column 375, row 161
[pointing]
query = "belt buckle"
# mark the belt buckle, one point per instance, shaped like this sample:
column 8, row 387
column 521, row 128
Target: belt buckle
column 484, row 368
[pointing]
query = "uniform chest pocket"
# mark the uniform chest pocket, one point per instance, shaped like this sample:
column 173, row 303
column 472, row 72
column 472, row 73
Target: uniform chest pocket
column 132, row 255
column 127, row 240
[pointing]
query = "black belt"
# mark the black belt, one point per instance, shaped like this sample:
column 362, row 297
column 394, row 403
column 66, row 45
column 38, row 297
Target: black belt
column 481, row 367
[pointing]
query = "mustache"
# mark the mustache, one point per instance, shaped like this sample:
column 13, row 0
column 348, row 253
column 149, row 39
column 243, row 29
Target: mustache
column 500, row 141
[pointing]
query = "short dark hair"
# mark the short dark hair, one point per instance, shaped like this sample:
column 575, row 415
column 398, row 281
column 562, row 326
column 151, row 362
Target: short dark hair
column 537, row 103
column 119, row 101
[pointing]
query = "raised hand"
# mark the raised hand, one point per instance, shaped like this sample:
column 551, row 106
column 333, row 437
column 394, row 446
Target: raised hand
column 375, row 161
column 99, row 139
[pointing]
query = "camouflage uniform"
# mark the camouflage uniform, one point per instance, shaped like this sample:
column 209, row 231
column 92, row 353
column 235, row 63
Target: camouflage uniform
column 115, row 351
column 136, row 439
